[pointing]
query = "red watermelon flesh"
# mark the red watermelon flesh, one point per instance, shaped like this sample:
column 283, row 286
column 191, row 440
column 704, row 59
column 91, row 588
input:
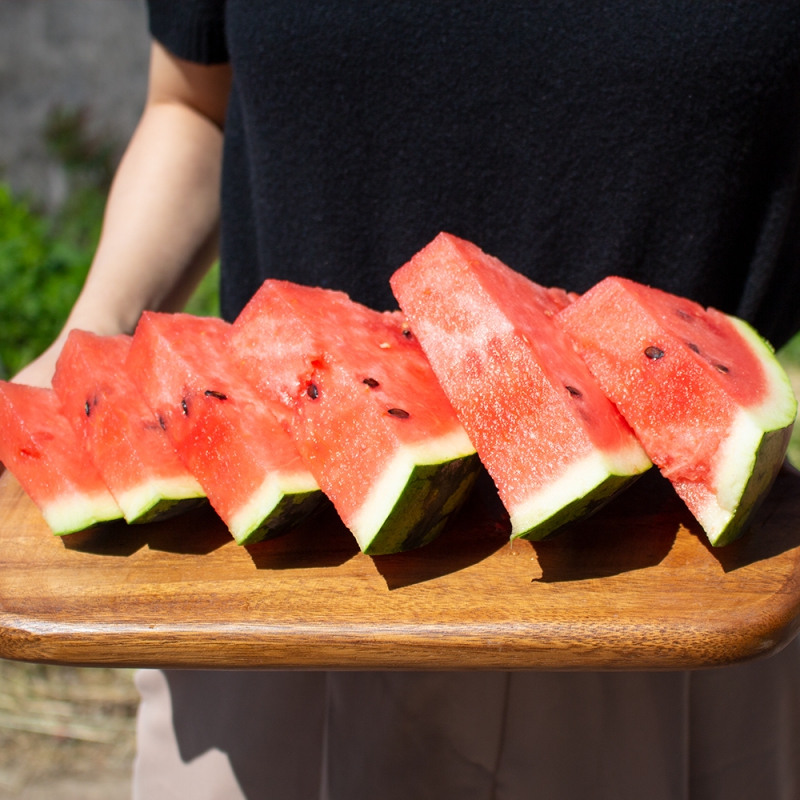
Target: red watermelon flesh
column 121, row 433
column 702, row 390
column 227, row 436
column 554, row 444
column 45, row 455
column 368, row 416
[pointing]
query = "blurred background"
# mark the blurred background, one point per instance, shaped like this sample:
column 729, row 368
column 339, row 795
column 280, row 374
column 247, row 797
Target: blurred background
column 72, row 85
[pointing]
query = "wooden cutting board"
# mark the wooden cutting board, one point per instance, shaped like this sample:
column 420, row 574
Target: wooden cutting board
column 634, row 587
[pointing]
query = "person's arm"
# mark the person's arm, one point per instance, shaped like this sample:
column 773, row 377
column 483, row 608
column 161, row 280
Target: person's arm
column 160, row 229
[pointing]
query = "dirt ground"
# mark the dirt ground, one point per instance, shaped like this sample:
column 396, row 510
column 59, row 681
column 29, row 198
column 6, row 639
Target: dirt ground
column 66, row 733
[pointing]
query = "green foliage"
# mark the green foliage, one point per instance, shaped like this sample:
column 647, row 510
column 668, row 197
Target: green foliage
column 88, row 157
column 790, row 352
column 205, row 300
column 41, row 273
column 789, row 356
column 793, row 453
column 44, row 259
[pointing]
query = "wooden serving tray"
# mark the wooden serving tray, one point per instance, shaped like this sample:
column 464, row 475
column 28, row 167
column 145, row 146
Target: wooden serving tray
column 634, row 587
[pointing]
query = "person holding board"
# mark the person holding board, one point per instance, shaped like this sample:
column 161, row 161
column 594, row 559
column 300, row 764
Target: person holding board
column 326, row 143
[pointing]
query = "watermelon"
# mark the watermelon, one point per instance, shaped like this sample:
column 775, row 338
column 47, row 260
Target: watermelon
column 555, row 446
column 120, row 432
column 704, row 393
column 229, row 438
column 366, row 412
column 40, row 448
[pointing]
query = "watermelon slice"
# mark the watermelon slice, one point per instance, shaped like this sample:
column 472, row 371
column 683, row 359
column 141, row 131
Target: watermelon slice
column 227, row 436
column 555, row 446
column 120, row 432
column 704, row 393
column 45, row 455
column 368, row 416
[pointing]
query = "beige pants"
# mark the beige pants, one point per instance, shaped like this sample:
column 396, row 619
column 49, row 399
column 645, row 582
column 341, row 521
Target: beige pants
column 725, row 734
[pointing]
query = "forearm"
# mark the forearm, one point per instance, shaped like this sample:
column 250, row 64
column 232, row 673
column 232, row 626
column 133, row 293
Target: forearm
column 161, row 222
column 160, row 229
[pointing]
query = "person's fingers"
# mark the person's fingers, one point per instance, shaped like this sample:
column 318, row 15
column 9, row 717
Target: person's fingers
column 40, row 371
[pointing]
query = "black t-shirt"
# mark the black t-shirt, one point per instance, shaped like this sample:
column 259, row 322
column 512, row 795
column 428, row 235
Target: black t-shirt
column 572, row 139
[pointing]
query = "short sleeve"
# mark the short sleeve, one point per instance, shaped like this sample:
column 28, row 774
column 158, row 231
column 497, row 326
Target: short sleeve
column 190, row 29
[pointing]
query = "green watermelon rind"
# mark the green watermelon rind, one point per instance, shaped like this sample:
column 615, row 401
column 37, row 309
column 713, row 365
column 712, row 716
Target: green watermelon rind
column 750, row 458
column 292, row 509
column 421, row 488
column 432, row 494
column 583, row 488
column 766, row 466
column 281, row 502
column 72, row 513
column 159, row 499
column 168, row 508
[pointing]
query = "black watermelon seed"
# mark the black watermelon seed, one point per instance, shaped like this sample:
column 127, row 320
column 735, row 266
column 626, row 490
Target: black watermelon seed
column 693, row 347
column 721, row 367
column 371, row 382
column 574, row 392
column 654, row 353
column 87, row 408
column 683, row 314
column 312, row 391
column 218, row 395
column 399, row 413
column 185, row 408
column 162, row 423
column 407, row 333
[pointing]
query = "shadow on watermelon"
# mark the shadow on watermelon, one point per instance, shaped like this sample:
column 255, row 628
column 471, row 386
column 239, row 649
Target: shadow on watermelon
column 635, row 532
column 760, row 544
column 480, row 529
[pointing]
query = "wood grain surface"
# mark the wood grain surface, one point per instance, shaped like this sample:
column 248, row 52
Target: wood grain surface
column 634, row 587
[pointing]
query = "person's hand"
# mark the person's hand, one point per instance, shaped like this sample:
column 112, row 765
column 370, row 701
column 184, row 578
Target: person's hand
column 40, row 371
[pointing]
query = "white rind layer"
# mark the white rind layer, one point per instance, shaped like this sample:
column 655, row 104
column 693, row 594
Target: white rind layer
column 264, row 500
column 779, row 408
column 736, row 460
column 142, row 498
column 578, row 480
column 79, row 511
column 737, row 455
column 386, row 491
